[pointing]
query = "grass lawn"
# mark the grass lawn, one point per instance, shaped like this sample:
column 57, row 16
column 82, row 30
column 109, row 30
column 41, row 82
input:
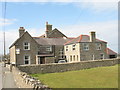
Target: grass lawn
column 101, row 77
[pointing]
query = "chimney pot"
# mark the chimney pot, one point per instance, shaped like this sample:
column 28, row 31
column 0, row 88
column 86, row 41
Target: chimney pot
column 46, row 23
column 21, row 27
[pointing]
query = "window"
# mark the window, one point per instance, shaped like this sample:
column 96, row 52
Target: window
column 93, row 57
column 66, row 48
column 77, row 57
column 27, row 59
column 70, row 58
column 48, row 48
column 61, row 54
column 74, row 57
column 101, row 56
column 98, row 46
column 73, row 47
column 17, row 51
column 85, row 46
column 26, row 46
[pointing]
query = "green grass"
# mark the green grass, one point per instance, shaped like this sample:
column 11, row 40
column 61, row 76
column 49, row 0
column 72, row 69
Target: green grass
column 101, row 77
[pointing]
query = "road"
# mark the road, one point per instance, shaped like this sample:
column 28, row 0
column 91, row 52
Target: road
column 6, row 78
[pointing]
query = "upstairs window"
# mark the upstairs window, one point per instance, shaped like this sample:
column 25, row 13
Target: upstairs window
column 61, row 54
column 73, row 47
column 98, row 46
column 85, row 46
column 66, row 48
column 26, row 59
column 17, row 51
column 26, row 46
column 49, row 49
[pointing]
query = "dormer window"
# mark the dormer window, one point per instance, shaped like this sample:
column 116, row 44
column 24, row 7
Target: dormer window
column 98, row 46
column 26, row 46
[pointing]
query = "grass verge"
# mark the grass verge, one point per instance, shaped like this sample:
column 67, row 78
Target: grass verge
column 101, row 77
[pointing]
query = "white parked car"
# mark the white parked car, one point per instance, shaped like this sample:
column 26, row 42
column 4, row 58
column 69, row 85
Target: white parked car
column 62, row 61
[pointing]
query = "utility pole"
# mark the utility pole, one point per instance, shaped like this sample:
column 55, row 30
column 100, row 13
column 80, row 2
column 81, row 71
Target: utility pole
column 4, row 20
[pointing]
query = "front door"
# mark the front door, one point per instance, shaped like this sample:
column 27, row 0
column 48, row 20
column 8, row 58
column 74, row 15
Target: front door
column 41, row 60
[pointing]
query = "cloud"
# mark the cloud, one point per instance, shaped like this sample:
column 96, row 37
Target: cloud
column 98, row 6
column 7, row 21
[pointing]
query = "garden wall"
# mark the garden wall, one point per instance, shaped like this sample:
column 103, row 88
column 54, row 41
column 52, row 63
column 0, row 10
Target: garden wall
column 52, row 68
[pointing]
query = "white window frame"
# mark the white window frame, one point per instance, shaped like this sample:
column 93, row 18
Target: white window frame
column 85, row 46
column 98, row 46
column 28, row 45
column 27, row 59
column 17, row 51
column 93, row 57
column 48, row 48
column 66, row 48
column 73, row 47
column 74, row 58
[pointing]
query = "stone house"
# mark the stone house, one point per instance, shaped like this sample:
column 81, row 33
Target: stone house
column 47, row 48
column 54, row 46
column 86, row 47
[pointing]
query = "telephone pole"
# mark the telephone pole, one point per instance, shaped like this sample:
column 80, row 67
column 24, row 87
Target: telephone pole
column 4, row 21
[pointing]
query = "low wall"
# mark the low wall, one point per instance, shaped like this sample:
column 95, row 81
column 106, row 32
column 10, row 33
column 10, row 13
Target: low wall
column 52, row 68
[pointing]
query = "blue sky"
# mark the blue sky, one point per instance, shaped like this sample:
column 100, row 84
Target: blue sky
column 72, row 18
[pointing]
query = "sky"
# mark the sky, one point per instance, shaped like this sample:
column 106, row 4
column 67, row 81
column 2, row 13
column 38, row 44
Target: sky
column 71, row 18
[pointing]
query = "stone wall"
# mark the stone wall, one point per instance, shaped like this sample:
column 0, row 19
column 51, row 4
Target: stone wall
column 23, row 80
column 52, row 68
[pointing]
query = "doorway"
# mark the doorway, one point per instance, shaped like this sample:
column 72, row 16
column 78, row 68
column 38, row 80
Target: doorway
column 41, row 60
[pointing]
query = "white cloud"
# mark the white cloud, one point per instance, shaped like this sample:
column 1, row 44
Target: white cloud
column 6, row 21
column 98, row 6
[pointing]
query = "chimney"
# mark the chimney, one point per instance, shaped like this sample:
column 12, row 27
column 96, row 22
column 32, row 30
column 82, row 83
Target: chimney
column 48, row 29
column 21, row 31
column 92, row 36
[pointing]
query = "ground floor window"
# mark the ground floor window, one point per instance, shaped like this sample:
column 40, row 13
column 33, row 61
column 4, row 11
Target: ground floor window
column 77, row 57
column 74, row 57
column 101, row 56
column 112, row 56
column 70, row 58
column 27, row 59
column 93, row 57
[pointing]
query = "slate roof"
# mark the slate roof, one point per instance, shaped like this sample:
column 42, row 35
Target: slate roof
column 110, row 52
column 51, row 41
column 82, row 38
column 20, row 38
column 53, row 34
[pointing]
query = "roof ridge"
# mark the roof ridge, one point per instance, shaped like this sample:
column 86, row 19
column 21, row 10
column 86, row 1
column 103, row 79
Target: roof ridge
column 100, row 40
column 80, row 38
